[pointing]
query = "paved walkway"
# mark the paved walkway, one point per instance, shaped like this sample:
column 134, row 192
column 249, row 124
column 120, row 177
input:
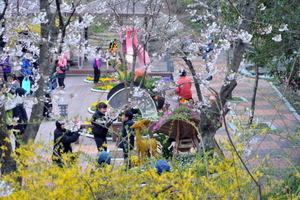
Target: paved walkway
column 269, row 108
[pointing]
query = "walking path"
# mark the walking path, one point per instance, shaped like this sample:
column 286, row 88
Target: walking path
column 269, row 108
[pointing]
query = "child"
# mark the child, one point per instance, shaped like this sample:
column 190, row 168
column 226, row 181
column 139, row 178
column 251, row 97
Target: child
column 127, row 139
column 104, row 158
column 13, row 83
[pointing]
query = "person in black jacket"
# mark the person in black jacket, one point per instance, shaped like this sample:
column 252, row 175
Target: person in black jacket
column 62, row 142
column 127, row 139
column 101, row 125
column 20, row 113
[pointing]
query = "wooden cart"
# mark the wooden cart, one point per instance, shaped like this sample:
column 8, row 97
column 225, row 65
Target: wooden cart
column 184, row 133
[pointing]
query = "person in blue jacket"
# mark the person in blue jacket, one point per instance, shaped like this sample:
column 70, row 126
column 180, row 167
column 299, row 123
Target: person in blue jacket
column 127, row 138
column 209, row 47
column 63, row 139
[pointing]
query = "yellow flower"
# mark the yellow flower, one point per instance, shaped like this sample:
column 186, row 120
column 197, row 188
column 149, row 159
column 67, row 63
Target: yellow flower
column 264, row 130
column 96, row 103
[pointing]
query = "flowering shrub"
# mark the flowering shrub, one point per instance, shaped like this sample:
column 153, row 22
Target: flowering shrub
column 181, row 111
column 198, row 178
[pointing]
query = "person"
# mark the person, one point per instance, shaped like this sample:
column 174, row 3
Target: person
column 161, row 166
column 107, row 58
column 20, row 113
column 48, row 101
column 100, row 126
column 184, row 88
column 113, row 46
column 7, row 106
column 6, row 67
column 26, row 68
column 35, row 61
column 127, row 138
column 63, row 139
column 62, row 63
column 103, row 158
column 13, row 83
column 208, row 48
column 97, row 63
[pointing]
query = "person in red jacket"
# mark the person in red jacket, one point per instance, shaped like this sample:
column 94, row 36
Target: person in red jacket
column 184, row 88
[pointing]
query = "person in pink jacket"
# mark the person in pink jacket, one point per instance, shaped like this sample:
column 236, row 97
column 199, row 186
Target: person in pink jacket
column 184, row 89
column 61, row 73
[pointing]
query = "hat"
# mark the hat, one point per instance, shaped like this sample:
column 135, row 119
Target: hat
column 182, row 72
column 58, row 124
column 104, row 157
column 20, row 91
column 162, row 165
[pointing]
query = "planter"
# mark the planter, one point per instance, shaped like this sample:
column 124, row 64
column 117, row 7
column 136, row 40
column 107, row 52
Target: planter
column 87, row 81
column 103, row 91
column 90, row 110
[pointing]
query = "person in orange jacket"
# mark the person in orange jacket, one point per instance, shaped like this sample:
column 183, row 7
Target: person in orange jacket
column 184, row 89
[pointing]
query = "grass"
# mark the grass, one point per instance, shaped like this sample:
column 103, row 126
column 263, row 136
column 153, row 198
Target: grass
column 235, row 99
column 98, row 29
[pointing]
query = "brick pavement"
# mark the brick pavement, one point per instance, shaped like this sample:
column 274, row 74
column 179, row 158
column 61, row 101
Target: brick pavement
column 269, row 108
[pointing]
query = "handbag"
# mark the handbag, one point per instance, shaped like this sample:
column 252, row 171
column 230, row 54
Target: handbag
column 65, row 68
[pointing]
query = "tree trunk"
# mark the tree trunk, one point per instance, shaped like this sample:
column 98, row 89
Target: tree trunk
column 210, row 120
column 48, row 30
column 7, row 161
column 254, row 95
column 191, row 68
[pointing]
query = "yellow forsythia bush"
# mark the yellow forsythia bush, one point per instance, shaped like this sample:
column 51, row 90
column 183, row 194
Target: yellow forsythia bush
column 200, row 179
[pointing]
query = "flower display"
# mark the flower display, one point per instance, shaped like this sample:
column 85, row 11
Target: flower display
column 106, row 83
column 93, row 105
column 181, row 111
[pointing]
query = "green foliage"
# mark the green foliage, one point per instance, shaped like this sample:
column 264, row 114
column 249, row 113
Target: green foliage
column 278, row 57
column 288, row 187
column 235, row 99
column 98, row 28
column 166, row 150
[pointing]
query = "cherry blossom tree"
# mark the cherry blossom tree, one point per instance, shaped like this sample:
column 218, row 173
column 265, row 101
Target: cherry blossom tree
column 51, row 41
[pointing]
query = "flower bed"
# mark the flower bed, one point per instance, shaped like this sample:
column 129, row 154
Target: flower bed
column 92, row 107
column 105, row 84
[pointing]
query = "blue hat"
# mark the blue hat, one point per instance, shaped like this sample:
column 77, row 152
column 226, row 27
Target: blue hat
column 20, row 91
column 210, row 38
column 162, row 165
column 104, row 157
